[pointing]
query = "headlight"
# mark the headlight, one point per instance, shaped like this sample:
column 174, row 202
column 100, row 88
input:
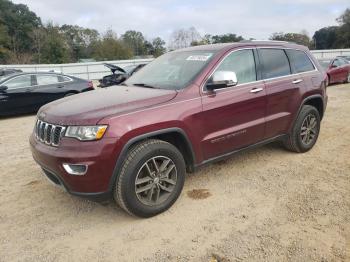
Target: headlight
column 86, row 133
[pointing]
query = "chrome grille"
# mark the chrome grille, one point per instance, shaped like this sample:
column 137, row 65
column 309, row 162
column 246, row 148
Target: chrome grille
column 48, row 133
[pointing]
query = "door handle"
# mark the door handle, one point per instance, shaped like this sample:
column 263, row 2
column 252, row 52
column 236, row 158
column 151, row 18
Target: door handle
column 256, row 90
column 60, row 86
column 297, row 81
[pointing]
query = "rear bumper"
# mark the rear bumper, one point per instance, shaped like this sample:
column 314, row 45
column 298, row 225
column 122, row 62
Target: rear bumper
column 99, row 156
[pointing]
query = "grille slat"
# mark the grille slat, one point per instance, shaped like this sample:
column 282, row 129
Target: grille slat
column 48, row 133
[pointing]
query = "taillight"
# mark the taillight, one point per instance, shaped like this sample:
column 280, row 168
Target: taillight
column 90, row 84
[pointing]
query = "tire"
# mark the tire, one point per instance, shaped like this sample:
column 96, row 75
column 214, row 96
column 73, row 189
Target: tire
column 136, row 175
column 302, row 138
column 348, row 79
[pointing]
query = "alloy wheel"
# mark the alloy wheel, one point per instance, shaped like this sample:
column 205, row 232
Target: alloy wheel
column 309, row 129
column 155, row 180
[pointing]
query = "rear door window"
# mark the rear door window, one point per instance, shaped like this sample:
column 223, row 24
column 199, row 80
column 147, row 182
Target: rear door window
column 46, row 79
column 275, row 63
column 19, row 82
column 300, row 62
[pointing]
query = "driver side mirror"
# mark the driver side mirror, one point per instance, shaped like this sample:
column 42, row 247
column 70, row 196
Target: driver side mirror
column 222, row 79
column 333, row 66
column 3, row 88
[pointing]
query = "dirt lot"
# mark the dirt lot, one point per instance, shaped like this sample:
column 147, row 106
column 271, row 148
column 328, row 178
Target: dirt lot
column 263, row 205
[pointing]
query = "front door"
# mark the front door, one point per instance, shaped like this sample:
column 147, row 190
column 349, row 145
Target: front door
column 18, row 98
column 234, row 117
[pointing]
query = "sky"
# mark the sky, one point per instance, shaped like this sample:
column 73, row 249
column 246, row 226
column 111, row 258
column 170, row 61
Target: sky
column 251, row 19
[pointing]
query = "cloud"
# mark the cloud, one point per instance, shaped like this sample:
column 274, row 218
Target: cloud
column 256, row 19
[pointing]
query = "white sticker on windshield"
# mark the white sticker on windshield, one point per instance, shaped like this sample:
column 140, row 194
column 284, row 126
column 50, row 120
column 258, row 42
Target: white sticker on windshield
column 198, row 58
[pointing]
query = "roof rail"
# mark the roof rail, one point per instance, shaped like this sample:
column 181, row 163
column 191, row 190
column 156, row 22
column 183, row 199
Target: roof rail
column 254, row 40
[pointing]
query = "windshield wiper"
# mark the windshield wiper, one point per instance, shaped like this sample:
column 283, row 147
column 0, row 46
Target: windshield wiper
column 145, row 85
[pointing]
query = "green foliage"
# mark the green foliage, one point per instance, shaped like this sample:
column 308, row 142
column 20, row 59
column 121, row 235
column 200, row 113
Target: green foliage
column 326, row 38
column 301, row 39
column 111, row 48
column 55, row 49
column 19, row 22
column 216, row 39
column 226, row 38
column 158, row 47
column 135, row 41
column 334, row 36
column 79, row 40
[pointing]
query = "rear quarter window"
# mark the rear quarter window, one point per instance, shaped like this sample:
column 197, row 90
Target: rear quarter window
column 275, row 63
column 300, row 62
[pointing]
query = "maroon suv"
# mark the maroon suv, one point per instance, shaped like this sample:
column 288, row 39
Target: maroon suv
column 190, row 107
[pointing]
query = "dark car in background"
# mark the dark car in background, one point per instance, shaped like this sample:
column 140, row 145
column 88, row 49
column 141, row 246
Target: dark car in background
column 4, row 72
column 338, row 70
column 119, row 75
column 27, row 92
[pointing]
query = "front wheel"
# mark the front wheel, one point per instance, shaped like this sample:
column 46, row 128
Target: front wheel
column 151, row 178
column 305, row 131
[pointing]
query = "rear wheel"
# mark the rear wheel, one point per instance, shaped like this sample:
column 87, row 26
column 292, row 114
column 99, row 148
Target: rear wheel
column 348, row 79
column 151, row 178
column 305, row 130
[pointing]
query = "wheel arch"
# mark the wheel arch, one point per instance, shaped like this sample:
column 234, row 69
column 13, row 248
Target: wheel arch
column 175, row 136
column 315, row 101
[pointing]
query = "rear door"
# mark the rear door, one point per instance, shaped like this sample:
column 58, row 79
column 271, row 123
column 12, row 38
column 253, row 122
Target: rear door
column 18, row 98
column 48, row 88
column 302, row 64
column 282, row 90
column 234, row 117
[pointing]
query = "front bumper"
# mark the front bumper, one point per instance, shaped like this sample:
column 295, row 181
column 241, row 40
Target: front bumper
column 100, row 157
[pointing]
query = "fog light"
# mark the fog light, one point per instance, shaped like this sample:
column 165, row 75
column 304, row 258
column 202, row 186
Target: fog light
column 76, row 170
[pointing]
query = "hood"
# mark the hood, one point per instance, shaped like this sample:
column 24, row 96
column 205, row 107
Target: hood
column 90, row 107
column 114, row 68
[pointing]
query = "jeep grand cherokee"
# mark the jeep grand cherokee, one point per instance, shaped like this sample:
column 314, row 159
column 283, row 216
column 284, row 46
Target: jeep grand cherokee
column 187, row 108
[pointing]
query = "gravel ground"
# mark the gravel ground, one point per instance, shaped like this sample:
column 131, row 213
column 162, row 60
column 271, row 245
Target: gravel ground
column 264, row 205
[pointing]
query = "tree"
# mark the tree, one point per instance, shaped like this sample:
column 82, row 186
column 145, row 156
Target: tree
column 135, row 41
column 226, row 38
column 184, row 38
column 325, row 38
column 79, row 40
column 54, row 50
column 19, row 23
column 4, row 44
column 158, row 47
column 298, row 38
column 343, row 33
column 111, row 48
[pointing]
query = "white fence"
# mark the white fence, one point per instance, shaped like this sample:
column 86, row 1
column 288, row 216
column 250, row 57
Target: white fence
column 96, row 70
column 91, row 71
column 331, row 53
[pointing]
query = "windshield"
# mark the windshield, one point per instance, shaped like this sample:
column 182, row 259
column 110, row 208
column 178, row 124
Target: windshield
column 174, row 70
column 324, row 63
